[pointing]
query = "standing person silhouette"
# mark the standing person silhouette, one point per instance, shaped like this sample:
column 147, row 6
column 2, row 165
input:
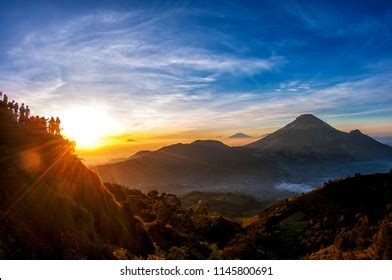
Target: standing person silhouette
column 4, row 101
column 11, row 105
column 52, row 125
column 16, row 108
column 58, row 125
column 11, row 109
column 42, row 124
column 27, row 112
column 22, row 112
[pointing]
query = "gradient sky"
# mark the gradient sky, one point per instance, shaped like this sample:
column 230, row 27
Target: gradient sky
column 202, row 68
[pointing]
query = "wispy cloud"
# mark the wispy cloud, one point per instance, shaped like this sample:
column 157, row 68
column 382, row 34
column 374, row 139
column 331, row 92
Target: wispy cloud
column 143, row 72
column 293, row 86
column 153, row 77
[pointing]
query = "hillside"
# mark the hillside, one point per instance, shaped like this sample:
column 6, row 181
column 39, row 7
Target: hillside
column 53, row 207
column 177, row 232
column 344, row 219
column 223, row 203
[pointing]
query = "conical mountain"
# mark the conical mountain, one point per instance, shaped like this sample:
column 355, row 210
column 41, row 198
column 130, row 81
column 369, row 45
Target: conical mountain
column 240, row 135
column 309, row 135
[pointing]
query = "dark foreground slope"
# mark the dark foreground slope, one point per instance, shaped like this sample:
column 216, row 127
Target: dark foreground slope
column 178, row 232
column 225, row 203
column 53, row 207
column 345, row 219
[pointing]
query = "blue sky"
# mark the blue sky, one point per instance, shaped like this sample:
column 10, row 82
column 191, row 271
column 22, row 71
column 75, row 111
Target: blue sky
column 208, row 67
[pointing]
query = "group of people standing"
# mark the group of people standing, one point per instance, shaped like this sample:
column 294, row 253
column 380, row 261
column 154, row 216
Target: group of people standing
column 21, row 114
column 54, row 126
column 18, row 113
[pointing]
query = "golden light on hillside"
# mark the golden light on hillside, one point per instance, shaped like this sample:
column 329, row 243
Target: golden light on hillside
column 87, row 126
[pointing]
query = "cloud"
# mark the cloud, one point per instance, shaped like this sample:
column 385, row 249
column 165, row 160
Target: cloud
column 151, row 74
column 124, row 59
column 97, row 47
column 293, row 86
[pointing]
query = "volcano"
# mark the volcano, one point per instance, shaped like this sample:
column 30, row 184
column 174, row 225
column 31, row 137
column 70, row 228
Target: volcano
column 311, row 136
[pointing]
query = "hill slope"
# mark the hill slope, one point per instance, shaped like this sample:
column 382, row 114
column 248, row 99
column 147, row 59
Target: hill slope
column 53, row 207
column 345, row 219
column 223, row 203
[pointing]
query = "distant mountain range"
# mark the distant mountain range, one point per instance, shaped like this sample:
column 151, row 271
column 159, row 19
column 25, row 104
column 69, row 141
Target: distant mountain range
column 240, row 135
column 305, row 152
column 209, row 165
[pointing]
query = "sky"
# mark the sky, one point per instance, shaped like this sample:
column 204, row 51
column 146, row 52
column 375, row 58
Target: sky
column 199, row 69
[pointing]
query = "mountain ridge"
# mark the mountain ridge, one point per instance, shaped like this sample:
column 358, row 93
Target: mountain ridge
column 306, row 151
column 309, row 135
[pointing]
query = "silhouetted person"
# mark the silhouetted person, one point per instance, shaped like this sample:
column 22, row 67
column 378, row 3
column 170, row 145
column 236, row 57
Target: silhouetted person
column 52, row 126
column 22, row 112
column 11, row 105
column 58, row 126
column 35, row 122
column 5, row 99
column 27, row 112
column 42, row 124
column 16, row 108
column 4, row 102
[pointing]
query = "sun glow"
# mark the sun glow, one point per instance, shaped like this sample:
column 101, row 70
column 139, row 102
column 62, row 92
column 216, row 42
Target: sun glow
column 87, row 126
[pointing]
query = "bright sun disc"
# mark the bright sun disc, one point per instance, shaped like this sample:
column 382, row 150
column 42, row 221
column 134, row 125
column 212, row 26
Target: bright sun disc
column 87, row 126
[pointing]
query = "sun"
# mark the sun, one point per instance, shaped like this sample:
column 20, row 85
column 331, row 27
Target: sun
column 87, row 126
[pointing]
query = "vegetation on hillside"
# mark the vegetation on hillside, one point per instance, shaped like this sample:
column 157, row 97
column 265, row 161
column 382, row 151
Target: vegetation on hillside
column 225, row 203
column 345, row 219
column 177, row 233
column 52, row 206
